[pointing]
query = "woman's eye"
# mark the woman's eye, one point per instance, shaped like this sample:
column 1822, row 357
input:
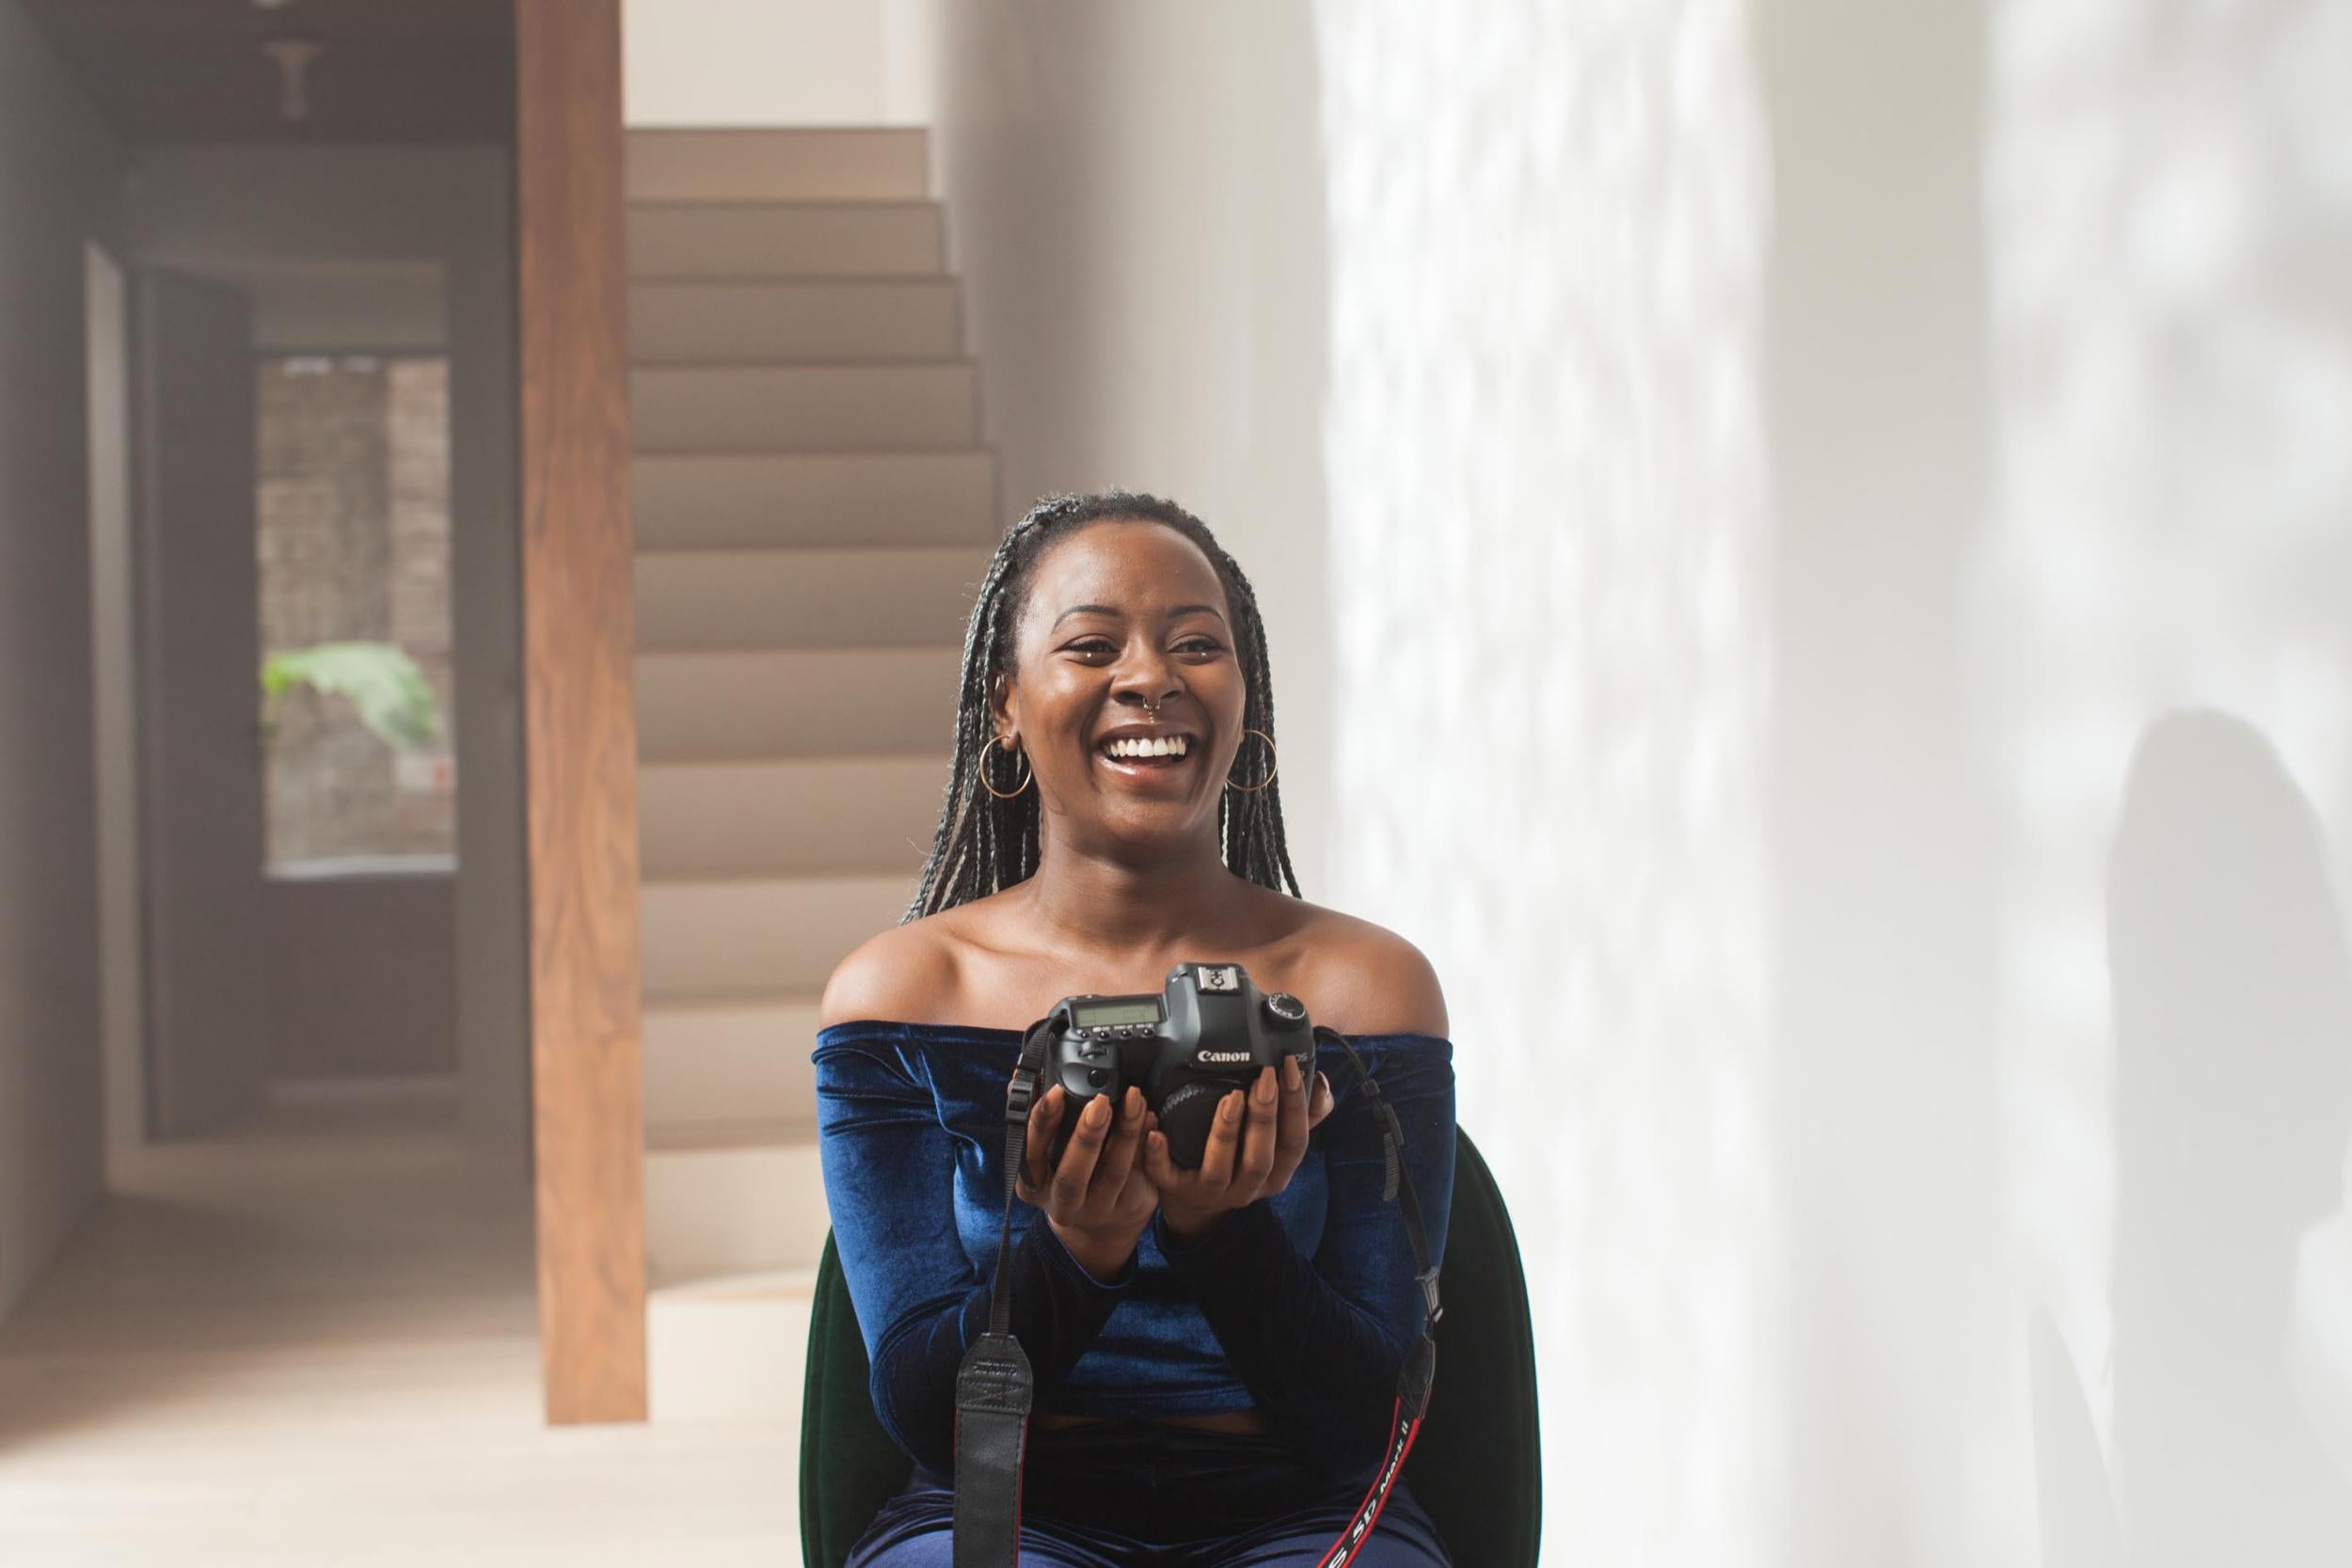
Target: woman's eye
column 1097, row 647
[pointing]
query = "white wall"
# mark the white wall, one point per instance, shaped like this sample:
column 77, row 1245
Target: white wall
column 1740, row 487
column 775, row 62
column 338, row 306
column 1902, row 1430
column 2169, row 361
column 1743, row 491
column 58, row 174
column 1135, row 208
column 1545, row 444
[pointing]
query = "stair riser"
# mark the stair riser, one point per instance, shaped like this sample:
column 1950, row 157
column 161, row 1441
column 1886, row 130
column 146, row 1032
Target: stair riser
column 729, row 500
column 710, row 1210
column 707, row 1065
column 793, row 320
column 776, row 166
column 803, row 407
column 798, row 703
column 727, row 1360
column 806, row 818
column 806, row 599
column 750, row 939
column 706, row 240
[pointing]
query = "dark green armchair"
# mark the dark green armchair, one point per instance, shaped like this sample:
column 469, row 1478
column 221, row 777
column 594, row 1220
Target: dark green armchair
column 1475, row 1468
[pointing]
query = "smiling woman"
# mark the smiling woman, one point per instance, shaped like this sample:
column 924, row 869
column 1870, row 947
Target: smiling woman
column 1109, row 817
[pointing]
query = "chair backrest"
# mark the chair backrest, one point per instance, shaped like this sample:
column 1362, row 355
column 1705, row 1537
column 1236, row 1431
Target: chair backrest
column 1476, row 1467
column 848, row 1465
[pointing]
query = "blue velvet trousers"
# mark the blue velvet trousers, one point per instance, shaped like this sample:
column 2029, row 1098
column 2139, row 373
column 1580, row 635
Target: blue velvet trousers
column 1128, row 1493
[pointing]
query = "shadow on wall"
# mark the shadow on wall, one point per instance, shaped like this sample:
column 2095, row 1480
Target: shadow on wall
column 2232, row 1008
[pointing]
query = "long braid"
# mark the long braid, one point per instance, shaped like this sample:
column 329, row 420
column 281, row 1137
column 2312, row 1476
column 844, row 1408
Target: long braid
column 984, row 845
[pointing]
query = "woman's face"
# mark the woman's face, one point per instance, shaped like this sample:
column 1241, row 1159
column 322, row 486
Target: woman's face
column 1122, row 616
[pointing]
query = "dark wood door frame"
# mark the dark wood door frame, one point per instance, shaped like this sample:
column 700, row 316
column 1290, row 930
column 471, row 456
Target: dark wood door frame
column 580, row 730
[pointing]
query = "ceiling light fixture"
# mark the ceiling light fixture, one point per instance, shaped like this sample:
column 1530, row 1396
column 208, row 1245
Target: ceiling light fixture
column 293, row 57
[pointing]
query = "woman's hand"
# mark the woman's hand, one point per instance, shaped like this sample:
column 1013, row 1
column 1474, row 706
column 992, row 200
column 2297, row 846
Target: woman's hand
column 1255, row 1145
column 1098, row 1199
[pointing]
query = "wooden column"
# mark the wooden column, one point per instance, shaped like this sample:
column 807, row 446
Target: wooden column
column 579, row 722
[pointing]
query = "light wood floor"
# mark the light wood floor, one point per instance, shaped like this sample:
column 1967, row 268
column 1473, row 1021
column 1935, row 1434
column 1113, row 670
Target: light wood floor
column 314, row 1343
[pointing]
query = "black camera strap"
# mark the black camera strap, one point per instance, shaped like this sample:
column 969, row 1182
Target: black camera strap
column 994, row 1388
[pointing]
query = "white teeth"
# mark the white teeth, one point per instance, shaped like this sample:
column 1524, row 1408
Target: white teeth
column 1168, row 746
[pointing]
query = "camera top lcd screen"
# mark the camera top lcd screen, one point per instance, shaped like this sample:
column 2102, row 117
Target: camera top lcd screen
column 1103, row 1013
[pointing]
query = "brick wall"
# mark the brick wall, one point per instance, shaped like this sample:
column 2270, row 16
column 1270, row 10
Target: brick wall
column 354, row 545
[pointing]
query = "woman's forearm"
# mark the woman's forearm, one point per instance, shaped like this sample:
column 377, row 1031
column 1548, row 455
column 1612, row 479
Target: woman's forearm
column 1059, row 1308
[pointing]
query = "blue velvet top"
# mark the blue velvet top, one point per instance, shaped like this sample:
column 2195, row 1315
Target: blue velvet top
column 1302, row 1305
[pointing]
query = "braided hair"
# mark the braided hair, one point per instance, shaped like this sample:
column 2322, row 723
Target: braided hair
column 984, row 844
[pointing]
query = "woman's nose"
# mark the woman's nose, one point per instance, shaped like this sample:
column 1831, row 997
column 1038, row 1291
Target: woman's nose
column 1146, row 678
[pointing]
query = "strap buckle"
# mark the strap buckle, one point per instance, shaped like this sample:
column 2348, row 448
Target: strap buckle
column 1019, row 1096
column 1427, row 1279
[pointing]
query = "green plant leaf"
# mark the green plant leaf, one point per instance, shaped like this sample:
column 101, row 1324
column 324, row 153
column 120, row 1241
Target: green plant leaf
column 391, row 694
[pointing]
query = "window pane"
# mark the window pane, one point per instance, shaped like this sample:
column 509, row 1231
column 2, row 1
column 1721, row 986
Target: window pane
column 354, row 561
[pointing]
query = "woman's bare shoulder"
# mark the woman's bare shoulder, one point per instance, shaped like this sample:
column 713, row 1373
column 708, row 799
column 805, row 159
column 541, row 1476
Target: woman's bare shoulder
column 1361, row 978
column 906, row 975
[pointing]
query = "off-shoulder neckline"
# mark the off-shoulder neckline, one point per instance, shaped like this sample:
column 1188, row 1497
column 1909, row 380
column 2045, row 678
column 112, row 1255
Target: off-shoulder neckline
column 986, row 1030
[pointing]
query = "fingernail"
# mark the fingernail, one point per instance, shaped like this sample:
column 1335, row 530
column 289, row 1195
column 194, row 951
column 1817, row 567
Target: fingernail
column 1263, row 1091
column 1290, row 1072
column 1098, row 1111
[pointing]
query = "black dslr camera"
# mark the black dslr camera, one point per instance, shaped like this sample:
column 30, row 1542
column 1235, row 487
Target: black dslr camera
column 1208, row 1033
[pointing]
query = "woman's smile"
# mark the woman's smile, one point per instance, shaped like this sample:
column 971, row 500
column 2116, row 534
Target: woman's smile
column 1148, row 756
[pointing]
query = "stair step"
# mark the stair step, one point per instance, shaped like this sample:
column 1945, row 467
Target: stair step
column 914, row 318
column 732, row 500
column 709, row 1063
column 721, row 1200
column 877, row 596
column 706, row 706
column 744, row 938
column 700, row 239
column 804, row 406
column 729, row 1347
column 804, row 817
column 830, row 163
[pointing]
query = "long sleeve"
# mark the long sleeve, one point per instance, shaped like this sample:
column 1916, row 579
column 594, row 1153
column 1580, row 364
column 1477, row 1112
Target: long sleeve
column 889, row 1168
column 1319, row 1341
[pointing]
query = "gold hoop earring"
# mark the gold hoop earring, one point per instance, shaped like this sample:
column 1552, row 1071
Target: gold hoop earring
column 1272, row 762
column 1027, row 773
